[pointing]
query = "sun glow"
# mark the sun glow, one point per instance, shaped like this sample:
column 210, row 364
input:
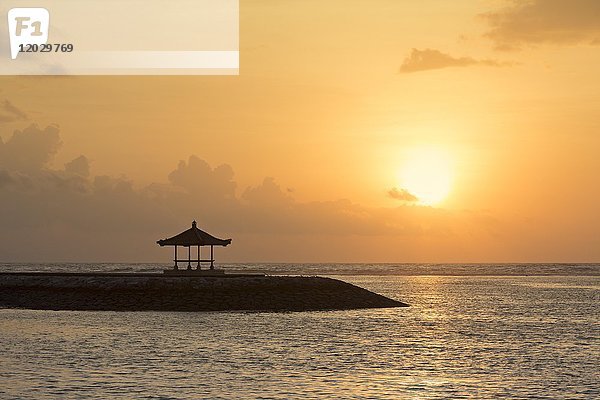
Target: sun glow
column 427, row 174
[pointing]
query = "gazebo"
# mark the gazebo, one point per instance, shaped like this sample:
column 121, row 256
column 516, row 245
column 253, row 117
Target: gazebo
column 194, row 237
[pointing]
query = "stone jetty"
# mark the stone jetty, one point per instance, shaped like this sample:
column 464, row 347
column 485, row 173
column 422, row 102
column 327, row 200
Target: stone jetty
column 160, row 292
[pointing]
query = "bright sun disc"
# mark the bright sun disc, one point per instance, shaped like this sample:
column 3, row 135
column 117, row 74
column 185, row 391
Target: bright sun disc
column 427, row 174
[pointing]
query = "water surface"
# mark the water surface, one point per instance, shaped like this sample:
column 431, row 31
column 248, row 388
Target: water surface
column 463, row 336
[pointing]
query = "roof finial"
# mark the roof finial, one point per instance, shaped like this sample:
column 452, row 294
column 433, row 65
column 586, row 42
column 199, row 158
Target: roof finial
column 193, row 223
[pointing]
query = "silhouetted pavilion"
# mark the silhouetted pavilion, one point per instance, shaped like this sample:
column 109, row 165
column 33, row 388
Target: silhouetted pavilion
column 194, row 237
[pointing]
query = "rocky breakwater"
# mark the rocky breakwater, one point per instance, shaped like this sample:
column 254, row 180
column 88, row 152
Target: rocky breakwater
column 144, row 292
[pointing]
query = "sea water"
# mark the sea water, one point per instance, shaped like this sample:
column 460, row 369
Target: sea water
column 465, row 336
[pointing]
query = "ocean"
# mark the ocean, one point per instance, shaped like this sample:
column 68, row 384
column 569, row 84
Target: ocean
column 473, row 331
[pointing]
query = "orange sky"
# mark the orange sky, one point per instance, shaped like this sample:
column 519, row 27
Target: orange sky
column 332, row 99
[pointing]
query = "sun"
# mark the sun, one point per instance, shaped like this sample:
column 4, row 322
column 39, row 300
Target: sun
column 427, row 174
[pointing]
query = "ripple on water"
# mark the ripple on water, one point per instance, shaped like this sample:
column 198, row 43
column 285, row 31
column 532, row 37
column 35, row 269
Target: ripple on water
column 462, row 337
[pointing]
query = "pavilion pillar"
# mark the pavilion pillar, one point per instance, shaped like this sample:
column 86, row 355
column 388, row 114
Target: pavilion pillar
column 199, row 254
column 175, row 257
column 189, row 257
column 212, row 258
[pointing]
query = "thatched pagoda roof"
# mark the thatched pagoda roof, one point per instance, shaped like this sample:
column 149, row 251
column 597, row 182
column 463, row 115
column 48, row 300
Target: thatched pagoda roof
column 194, row 237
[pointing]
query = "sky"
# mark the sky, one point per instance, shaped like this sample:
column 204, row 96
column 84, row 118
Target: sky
column 357, row 131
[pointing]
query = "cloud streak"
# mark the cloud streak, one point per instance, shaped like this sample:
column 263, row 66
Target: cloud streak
column 402, row 195
column 11, row 113
column 430, row 59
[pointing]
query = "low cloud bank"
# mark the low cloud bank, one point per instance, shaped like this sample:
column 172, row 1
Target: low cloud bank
column 70, row 214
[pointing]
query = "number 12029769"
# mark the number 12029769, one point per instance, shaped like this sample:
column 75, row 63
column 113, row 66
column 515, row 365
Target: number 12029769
column 46, row 48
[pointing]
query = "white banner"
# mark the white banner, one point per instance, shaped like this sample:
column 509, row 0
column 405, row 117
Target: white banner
column 119, row 37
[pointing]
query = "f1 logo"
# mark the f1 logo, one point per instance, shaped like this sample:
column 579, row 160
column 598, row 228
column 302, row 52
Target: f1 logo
column 27, row 26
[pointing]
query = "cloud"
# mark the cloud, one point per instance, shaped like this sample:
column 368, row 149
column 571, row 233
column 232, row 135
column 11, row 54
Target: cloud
column 197, row 176
column 86, row 217
column 268, row 192
column 79, row 166
column 402, row 195
column 12, row 180
column 10, row 113
column 428, row 59
column 29, row 149
column 544, row 21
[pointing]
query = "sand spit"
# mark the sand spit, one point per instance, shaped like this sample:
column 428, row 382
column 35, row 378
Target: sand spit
column 158, row 292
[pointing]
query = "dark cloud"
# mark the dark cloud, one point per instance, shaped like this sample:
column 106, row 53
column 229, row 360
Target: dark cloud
column 29, row 149
column 402, row 195
column 428, row 59
column 10, row 113
column 544, row 21
column 65, row 182
column 13, row 180
column 79, row 166
column 269, row 192
column 196, row 176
